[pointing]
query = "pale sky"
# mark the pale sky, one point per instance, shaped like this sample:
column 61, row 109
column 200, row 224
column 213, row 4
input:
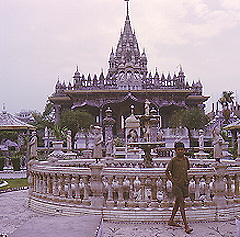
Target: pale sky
column 41, row 40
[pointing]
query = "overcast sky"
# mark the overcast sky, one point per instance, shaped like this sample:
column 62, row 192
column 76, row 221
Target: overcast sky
column 41, row 40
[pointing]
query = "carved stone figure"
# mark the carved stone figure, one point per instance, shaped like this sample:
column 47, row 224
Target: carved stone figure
column 146, row 131
column 132, row 136
column 98, row 140
column 108, row 123
column 217, row 143
column 69, row 141
column 147, row 107
column 238, row 145
column 201, row 139
column 33, row 145
column 159, row 135
column 109, row 145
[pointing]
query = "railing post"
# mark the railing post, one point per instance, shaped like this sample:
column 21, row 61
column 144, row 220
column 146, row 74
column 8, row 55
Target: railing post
column 121, row 202
column 49, row 184
column 220, row 186
column 97, row 185
column 237, row 186
column 85, row 200
column 54, row 185
column 208, row 180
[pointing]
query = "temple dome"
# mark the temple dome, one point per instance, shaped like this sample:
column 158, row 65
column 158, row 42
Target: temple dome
column 132, row 122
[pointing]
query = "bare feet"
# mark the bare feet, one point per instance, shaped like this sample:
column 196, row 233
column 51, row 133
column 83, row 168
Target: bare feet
column 188, row 229
column 172, row 223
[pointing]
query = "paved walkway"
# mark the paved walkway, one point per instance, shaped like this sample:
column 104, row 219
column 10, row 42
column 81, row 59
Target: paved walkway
column 17, row 221
column 10, row 174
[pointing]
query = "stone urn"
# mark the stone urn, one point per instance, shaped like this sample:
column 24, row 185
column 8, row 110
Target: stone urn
column 57, row 152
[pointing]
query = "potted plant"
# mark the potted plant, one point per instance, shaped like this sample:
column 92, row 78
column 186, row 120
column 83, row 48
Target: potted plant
column 60, row 134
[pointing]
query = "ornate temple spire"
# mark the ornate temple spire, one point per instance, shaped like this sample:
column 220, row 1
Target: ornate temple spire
column 127, row 49
column 4, row 111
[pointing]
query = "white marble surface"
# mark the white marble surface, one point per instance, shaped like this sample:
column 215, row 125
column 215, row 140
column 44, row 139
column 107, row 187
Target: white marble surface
column 13, row 214
column 13, row 211
column 224, row 229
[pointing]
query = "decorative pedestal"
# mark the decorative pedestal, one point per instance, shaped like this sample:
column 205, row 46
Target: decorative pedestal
column 71, row 155
column 201, row 154
column 97, row 185
column 220, row 186
column 58, row 153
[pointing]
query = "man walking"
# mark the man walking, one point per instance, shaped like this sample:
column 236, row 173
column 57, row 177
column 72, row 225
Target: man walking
column 177, row 172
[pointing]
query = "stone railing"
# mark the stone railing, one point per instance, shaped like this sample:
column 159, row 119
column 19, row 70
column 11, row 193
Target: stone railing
column 63, row 189
column 133, row 163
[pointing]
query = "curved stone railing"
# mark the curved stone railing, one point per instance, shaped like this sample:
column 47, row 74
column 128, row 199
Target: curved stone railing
column 134, row 163
column 130, row 194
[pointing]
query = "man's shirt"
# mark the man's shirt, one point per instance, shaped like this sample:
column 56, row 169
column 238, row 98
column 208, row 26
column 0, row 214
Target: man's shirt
column 178, row 168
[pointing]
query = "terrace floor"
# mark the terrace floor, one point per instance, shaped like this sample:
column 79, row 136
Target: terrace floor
column 16, row 220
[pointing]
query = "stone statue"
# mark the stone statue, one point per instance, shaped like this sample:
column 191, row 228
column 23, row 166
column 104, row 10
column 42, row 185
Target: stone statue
column 98, row 140
column 132, row 136
column 238, row 145
column 33, row 144
column 159, row 135
column 46, row 132
column 109, row 145
column 200, row 139
column 146, row 131
column 69, row 141
column 147, row 107
column 217, row 143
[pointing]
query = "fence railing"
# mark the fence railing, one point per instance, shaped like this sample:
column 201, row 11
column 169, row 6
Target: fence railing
column 128, row 187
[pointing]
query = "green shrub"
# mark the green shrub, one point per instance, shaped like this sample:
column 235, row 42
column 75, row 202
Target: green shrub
column 16, row 163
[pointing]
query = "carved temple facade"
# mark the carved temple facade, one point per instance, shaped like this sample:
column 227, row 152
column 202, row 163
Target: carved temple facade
column 127, row 82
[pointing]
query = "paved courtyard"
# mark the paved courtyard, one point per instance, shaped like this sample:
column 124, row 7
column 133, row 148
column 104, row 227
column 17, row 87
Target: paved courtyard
column 16, row 219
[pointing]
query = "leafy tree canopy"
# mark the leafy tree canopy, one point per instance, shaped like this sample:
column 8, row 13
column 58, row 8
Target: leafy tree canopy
column 76, row 120
column 46, row 119
column 192, row 118
column 11, row 135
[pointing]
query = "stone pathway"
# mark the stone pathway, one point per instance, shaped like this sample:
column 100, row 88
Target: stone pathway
column 224, row 229
column 17, row 220
column 13, row 212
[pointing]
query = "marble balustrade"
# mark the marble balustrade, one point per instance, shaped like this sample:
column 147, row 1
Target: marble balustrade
column 126, row 187
column 133, row 163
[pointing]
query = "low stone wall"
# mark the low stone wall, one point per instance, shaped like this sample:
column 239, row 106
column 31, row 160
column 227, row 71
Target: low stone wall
column 10, row 174
column 131, row 194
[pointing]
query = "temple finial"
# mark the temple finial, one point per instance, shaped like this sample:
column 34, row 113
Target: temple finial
column 180, row 66
column 4, row 111
column 127, row 7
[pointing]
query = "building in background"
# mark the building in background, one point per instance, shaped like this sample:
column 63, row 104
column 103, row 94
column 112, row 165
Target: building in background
column 127, row 82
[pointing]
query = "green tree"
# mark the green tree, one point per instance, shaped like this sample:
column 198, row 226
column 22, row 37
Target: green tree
column 77, row 120
column 192, row 118
column 11, row 135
